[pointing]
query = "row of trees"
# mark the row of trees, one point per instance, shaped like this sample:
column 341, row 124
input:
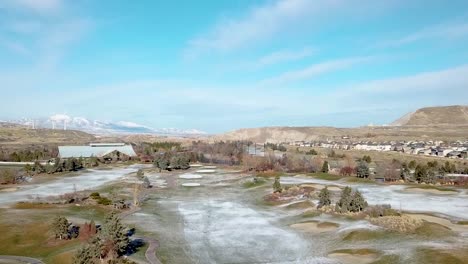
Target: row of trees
column 170, row 161
column 230, row 152
column 154, row 148
column 274, row 147
column 59, row 165
column 349, row 201
column 39, row 153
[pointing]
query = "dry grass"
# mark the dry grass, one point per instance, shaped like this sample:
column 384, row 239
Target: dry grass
column 401, row 224
column 31, row 239
column 431, row 255
column 33, row 205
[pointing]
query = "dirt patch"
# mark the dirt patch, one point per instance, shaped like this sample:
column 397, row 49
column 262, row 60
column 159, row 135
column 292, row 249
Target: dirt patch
column 315, row 226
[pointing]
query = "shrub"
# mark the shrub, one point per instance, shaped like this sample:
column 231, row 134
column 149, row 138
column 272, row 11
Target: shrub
column 381, row 211
column 362, row 170
column 140, row 174
column 277, row 185
column 347, row 171
column 325, row 167
column 104, row 201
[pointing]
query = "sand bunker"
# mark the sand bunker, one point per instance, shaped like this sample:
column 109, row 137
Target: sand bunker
column 315, row 226
column 12, row 189
column 190, row 176
column 191, row 184
column 206, row 171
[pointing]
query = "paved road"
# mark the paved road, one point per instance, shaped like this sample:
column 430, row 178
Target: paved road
column 150, row 253
column 20, row 259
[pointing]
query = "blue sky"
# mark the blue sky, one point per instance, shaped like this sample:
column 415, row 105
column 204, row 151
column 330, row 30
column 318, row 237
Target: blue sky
column 222, row 65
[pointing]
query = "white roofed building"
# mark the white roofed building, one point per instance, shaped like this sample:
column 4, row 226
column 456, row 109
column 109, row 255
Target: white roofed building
column 104, row 151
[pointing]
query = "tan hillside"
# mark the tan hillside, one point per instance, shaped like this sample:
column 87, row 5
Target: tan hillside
column 371, row 133
column 444, row 115
column 281, row 134
column 18, row 135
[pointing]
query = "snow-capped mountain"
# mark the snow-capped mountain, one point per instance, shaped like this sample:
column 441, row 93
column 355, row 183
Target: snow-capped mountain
column 61, row 121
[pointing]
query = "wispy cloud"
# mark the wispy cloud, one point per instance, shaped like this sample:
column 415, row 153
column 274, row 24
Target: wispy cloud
column 41, row 30
column 315, row 70
column 14, row 46
column 446, row 31
column 283, row 56
column 259, row 24
column 39, row 6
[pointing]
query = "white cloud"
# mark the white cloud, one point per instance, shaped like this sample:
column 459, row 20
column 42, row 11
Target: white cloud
column 315, row 70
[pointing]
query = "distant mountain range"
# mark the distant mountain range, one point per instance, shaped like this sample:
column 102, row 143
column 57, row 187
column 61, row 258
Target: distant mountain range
column 61, row 122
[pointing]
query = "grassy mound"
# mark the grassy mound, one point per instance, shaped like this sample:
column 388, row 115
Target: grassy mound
column 301, row 205
column 359, row 251
column 311, row 213
column 430, row 255
column 429, row 229
column 364, row 235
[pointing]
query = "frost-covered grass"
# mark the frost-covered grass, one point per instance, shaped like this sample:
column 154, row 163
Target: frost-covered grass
column 432, row 187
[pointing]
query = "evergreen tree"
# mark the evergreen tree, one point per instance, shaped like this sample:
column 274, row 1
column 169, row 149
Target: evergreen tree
column 60, row 227
column 343, row 205
column 324, row 198
column 412, row 165
column 362, row 170
column 277, row 185
column 420, row 173
column 367, row 159
column 84, row 256
column 140, row 174
column 404, row 171
column 325, row 167
column 114, row 236
column 358, row 203
column 162, row 163
column 146, row 182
